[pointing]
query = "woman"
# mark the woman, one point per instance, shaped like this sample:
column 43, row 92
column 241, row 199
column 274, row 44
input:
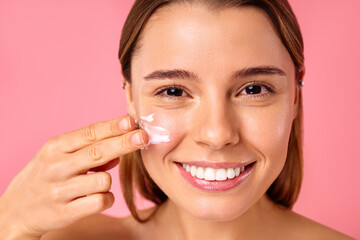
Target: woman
column 215, row 90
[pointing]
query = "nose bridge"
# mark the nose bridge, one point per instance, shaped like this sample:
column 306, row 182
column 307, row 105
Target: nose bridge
column 215, row 123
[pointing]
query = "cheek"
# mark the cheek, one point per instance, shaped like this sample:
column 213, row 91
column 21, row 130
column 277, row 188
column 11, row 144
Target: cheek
column 268, row 130
column 154, row 155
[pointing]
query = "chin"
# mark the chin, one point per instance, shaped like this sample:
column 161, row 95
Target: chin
column 217, row 210
column 217, row 214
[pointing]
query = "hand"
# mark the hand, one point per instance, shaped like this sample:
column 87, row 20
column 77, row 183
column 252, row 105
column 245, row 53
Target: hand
column 54, row 189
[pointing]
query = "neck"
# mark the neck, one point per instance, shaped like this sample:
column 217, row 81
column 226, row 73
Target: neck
column 177, row 222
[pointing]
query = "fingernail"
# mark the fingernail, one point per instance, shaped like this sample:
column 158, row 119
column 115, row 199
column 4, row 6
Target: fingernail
column 124, row 124
column 137, row 139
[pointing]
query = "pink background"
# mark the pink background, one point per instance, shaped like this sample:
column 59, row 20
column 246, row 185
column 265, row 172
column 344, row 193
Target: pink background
column 59, row 71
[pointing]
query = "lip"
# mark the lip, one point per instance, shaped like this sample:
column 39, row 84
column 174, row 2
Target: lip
column 217, row 164
column 216, row 186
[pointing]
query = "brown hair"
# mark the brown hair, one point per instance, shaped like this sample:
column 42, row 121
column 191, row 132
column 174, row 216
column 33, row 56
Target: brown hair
column 285, row 189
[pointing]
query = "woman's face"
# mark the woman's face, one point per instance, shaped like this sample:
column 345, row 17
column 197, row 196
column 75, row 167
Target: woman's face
column 215, row 117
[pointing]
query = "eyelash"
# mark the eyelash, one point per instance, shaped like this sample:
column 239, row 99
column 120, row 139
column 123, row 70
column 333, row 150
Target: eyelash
column 270, row 90
column 163, row 89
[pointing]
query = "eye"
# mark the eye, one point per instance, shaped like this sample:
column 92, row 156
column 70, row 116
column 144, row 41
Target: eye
column 174, row 92
column 171, row 92
column 256, row 89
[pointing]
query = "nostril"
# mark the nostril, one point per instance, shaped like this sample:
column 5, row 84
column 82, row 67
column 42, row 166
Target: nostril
column 218, row 138
column 217, row 144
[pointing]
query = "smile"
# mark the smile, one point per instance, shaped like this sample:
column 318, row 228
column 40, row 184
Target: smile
column 215, row 177
column 212, row 174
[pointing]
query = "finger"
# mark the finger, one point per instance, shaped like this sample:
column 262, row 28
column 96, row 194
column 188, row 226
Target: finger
column 107, row 166
column 102, row 152
column 89, row 205
column 83, row 185
column 80, row 138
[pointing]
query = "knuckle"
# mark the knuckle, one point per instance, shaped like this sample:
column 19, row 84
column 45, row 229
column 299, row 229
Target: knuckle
column 88, row 133
column 50, row 171
column 123, row 143
column 95, row 151
column 55, row 193
column 104, row 181
column 113, row 128
column 51, row 145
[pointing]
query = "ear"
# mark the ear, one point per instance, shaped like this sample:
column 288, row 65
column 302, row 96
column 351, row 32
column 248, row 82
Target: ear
column 296, row 100
column 130, row 100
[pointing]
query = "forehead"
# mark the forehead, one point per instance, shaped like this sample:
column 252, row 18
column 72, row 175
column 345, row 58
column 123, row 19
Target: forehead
column 192, row 37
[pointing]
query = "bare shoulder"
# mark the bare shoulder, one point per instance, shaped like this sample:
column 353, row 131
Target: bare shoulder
column 98, row 226
column 300, row 227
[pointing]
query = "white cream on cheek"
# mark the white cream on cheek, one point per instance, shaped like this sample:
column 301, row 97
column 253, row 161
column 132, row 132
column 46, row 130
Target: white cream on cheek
column 156, row 134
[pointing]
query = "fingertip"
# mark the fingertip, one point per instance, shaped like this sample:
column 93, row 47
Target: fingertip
column 111, row 199
column 145, row 137
column 140, row 138
column 132, row 122
column 126, row 123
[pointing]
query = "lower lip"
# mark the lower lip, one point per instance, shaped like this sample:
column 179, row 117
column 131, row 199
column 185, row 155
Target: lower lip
column 216, row 185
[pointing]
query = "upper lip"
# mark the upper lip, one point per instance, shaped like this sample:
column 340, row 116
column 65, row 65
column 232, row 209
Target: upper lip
column 217, row 164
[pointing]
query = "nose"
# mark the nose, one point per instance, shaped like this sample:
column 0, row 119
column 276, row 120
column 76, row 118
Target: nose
column 214, row 124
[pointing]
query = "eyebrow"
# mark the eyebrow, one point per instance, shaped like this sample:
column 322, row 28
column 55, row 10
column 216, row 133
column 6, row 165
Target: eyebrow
column 180, row 74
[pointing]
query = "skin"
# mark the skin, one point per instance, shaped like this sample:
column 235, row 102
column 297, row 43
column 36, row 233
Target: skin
column 54, row 190
column 214, row 118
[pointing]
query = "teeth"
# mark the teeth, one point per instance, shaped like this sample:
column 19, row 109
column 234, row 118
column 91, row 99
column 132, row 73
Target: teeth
column 193, row 171
column 200, row 173
column 237, row 171
column 230, row 173
column 211, row 174
column 221, row 174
